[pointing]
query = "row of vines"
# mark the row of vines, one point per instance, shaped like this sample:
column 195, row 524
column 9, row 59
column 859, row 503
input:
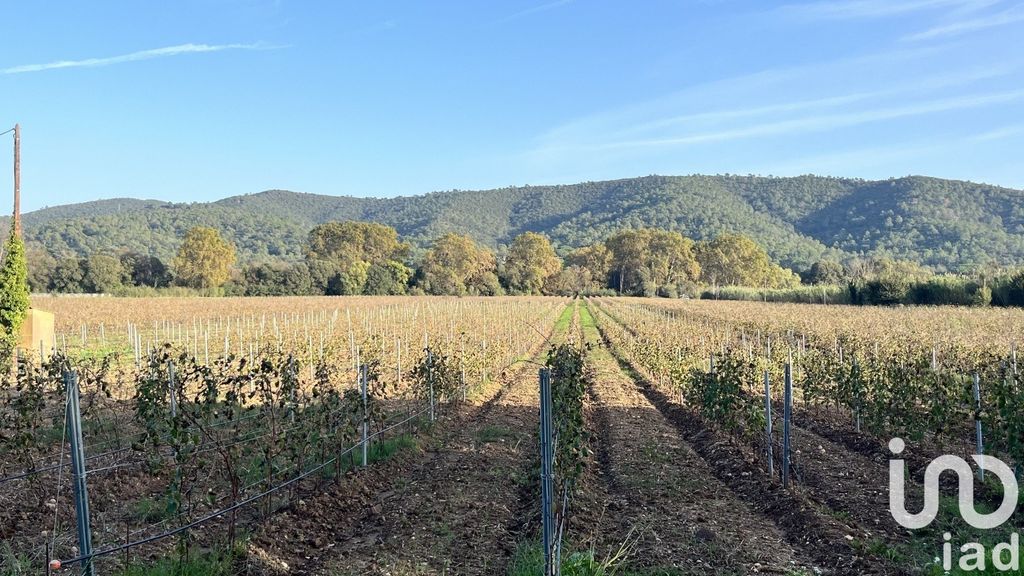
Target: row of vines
column 176, row 433
column 913, row 379
column 571, row 375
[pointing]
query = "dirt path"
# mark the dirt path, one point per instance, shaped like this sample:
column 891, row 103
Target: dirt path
column 447, row 506
column 454, row 512
column 460, row 507
column 847, row 483
column 685, row 519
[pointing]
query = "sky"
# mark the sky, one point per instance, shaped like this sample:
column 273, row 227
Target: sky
column 193, row 101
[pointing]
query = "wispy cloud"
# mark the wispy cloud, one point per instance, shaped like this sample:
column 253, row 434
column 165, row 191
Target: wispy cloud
column 862, row 9
column 918, row 86
column 763, row 82
column 1010, row 16
column 998, row 133
column 683, row 119
column 133, row 57
column 824, row 121
column 535, row 9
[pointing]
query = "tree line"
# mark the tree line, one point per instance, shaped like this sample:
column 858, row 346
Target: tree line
column 353, row 258
column 367, row 258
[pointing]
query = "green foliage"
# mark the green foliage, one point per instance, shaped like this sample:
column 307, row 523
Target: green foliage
column 946, row 224
column 439, row 373
column 531, row 261
column 197, row 564
column 352, row 279
column 529, row 561
column 821, row 294
column 634, row 235
column 457, row 265
column 103, row 274
column 800, row 222
column 347, row 242
column 14, row 302
column 24, row 421
column 350, row 258
column 40, row 268
column 1008, row 290
column 12, row 564
column 591, row 266
column 647, row 262
column 276, row 279
column 949, row 291
column 67, row 276
column 825, row 272
column 224, row 403
column 204, row 259
column 736, row 260
column 724, row 393
column 144, row 270
column 570, row 377
column 387, row 279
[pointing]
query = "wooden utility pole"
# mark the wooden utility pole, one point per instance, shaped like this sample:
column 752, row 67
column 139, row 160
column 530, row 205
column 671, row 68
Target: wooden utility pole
column 16, row 221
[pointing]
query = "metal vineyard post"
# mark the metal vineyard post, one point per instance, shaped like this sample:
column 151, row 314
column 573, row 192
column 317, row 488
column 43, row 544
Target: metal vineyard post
column 787, row 412
column 81, row 491
column 768, row 424
column 977, row 422
column 546, row 471
column 366, row 417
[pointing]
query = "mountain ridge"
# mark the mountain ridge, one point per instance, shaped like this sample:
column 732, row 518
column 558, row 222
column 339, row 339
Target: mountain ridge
column 945, row 224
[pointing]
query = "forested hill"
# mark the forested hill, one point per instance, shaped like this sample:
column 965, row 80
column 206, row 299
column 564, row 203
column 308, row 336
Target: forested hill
column 946, row 224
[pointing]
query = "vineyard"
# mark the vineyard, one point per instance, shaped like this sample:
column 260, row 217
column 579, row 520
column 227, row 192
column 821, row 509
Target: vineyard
column 178, row 433
column 409, row 435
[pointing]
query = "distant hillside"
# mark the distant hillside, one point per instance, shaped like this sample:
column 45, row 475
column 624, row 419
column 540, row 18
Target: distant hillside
column 945, row 224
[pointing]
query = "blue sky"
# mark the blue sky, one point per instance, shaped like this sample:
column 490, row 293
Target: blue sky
column 198, row 100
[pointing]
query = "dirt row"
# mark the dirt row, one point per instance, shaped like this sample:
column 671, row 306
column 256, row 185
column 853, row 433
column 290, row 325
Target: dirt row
column 655, row 486
column 457, row 504
column 837, row 516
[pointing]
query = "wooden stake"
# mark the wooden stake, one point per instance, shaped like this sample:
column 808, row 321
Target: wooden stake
column 16, row 224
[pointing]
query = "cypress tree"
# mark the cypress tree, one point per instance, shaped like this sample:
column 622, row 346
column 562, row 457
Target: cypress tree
column 14, row 302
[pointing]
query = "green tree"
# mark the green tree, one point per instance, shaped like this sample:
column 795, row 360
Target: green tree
column 649, row 262
column 40, row 269
column 530, row 262
column 826, row 272
column 67, row 276
column 352, row 280
column 323, row 275
column 351, row 240
column 356, row 252
column 14, row 302
column 591, row 264
column 204, row 259
column 388, row 279
column 143, row 270
column 103, row 274
column 275, row 279
column 736, row 260
column 570, row 281
column 627, row 248
column 456, row 265
column 670, row 264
